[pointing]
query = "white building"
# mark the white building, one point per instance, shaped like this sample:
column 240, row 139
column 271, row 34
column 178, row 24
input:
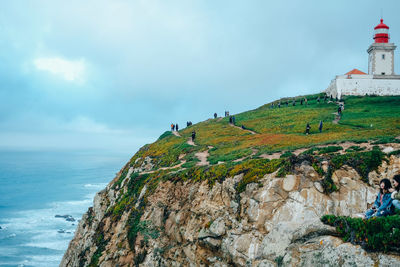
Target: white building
column 380, row 80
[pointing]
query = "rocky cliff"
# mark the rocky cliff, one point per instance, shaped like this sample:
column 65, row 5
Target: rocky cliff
column 274, row 221
column 251, row 191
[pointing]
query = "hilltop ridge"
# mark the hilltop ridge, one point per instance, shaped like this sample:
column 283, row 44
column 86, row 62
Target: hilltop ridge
column 246, row 196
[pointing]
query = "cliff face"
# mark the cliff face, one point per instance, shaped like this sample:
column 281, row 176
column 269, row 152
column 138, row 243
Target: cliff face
column 274, row 221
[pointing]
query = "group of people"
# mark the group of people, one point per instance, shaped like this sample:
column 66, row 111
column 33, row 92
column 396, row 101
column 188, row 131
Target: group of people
column 226, row 113
column 308, row 127
column 174, row 127
column 232, row 120
column 387, row 200
column 188, row 123
column 302, row 101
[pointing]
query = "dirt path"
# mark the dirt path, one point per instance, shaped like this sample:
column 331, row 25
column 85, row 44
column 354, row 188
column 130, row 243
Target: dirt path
column 337, row 118
column 202, row 156
column 190, row 142
column 176, row 133
column 250, row 131
column 181, row 156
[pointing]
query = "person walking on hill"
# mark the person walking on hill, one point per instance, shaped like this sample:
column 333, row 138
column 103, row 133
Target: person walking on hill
column 320, row 126
column 193, row 135
column 383, row 203
column 301, row 101
column 279, row 104
column 294, row 102
column 233, row 120
column 318, row 100
column 172, row 127
column 308, row 127
column 230, row 120
column 305, row 101
column 339, row 111
column 215, row 115
column 287, row 103
column 176, row 127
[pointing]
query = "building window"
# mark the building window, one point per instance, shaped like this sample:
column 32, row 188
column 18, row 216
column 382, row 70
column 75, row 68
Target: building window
column 383, row 56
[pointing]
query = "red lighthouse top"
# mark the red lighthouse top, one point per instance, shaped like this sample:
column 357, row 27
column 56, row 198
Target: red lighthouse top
column 381, row 33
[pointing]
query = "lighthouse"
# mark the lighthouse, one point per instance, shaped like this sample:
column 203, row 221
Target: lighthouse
column 380, row 80
column 381, row 52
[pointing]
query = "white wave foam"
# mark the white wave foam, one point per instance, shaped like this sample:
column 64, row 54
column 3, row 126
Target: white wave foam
column 39, row 227
column 97, row 186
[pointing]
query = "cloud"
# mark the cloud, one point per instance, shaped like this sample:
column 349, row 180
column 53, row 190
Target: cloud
column 69, row 70
column 84, row 124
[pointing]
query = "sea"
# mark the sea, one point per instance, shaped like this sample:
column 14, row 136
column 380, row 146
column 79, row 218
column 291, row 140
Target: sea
column 35, row 187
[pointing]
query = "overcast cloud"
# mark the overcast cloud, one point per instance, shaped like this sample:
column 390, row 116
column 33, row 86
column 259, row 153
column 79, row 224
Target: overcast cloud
column 115, row 74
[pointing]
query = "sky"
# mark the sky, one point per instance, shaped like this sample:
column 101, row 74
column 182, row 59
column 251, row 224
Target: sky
column 113, row 75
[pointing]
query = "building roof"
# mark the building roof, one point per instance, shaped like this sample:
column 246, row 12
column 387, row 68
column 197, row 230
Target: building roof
column 381, row 25
column 355, row 71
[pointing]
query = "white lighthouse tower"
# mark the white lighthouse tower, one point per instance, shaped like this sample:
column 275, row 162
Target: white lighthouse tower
column 381, row 52
column 380, row 80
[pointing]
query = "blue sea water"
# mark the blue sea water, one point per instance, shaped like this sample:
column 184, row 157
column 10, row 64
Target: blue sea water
column 37, row 185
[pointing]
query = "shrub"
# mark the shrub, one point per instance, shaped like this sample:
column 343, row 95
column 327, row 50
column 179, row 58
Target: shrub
column 286, row 154
column 375, row 234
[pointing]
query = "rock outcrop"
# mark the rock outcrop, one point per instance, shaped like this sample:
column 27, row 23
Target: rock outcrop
column 275, row 222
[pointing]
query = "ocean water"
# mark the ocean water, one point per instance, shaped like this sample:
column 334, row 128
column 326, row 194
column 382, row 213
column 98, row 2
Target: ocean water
column 37, row 185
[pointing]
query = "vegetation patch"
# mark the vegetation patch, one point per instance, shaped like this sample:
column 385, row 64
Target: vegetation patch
column 386, row 140
column 101, row 245
column 362, row 162
column 375, row 234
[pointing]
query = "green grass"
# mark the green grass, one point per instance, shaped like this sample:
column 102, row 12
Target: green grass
column 375, row 234
column 364, row 118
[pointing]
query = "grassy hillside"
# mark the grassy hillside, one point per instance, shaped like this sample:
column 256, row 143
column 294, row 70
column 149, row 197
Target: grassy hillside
column 281, row 129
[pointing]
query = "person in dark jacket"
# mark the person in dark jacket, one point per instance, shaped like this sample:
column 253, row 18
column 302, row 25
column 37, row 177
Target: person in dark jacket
column 176, row 127
column 308, row 127
column 383, row 203
column 215, row 115
column 320, row 126
column 193, row 135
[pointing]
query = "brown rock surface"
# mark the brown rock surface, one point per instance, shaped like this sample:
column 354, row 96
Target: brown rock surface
column 276, row 221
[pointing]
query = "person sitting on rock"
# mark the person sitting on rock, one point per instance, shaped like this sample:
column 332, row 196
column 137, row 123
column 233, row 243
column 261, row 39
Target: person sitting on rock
column 383, row 203
column 396, row 191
